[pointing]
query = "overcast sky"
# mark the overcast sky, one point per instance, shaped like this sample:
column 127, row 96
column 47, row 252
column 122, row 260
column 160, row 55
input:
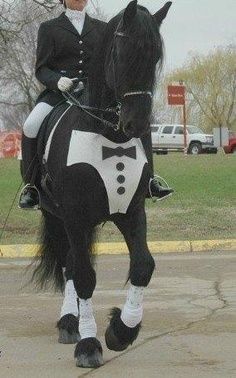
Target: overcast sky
column 191, row 25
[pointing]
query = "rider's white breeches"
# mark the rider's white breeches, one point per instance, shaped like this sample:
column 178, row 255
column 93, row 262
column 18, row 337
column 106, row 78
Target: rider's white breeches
column 35, row 119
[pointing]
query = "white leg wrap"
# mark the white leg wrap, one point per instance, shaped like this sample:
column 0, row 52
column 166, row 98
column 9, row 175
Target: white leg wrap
column 132, row 312
column 70, row 305
column 87, row 324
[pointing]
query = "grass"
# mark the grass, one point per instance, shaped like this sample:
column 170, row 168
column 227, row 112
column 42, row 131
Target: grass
column 203, row 207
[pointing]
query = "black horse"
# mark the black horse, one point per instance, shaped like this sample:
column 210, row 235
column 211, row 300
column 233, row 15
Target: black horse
column 95, row 170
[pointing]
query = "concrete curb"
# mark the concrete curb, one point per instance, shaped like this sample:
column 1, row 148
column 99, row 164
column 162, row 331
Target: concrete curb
column 29, row 250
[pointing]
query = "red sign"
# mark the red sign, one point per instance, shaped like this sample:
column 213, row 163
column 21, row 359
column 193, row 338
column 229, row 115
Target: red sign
column 176, row 95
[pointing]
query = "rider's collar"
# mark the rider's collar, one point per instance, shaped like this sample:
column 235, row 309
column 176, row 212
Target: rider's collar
column 75, row 14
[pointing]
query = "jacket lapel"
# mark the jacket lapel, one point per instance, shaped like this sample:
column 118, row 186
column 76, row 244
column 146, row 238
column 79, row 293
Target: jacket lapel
column 65, row 23
column 88, row 25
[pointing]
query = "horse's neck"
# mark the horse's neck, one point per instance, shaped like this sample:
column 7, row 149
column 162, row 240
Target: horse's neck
column 102, row 97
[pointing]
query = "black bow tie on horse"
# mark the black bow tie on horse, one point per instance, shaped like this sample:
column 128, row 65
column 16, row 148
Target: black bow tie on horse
column 108, row 152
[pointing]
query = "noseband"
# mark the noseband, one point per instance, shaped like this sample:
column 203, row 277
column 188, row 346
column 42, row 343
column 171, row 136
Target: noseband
column 136, row 93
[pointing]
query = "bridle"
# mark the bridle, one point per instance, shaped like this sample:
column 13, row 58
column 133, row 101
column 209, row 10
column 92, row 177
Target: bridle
column 114, row 110
column 113, row 52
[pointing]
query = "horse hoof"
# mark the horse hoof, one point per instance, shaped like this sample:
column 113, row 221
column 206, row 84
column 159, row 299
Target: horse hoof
column 88, row 353
column 112, row 342
column 118, row 336
column 68, row 329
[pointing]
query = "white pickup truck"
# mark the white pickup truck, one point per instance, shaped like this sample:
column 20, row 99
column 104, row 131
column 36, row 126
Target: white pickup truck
column 171, row 137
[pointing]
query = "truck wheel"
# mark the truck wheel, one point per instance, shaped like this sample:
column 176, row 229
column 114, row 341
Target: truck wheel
column 195, row 148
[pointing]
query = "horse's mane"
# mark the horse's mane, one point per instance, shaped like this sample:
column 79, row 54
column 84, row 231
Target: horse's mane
column 148, row 43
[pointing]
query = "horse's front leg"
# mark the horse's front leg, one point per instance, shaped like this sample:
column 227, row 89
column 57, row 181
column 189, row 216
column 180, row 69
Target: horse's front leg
column 88, row 351
column 125, row 324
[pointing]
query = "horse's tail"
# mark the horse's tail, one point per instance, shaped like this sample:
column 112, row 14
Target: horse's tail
column 51, row 256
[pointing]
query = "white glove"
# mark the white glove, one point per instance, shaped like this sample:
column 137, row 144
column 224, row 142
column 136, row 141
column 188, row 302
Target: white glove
column 64, row 84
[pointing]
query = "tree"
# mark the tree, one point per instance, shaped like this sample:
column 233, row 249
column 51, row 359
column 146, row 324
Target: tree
column 211, row 88
column 11, row 23
column 17, row 56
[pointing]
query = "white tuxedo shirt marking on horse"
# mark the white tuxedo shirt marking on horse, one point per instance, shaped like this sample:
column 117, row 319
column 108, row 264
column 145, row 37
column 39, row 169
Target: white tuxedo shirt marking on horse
column 121, row 174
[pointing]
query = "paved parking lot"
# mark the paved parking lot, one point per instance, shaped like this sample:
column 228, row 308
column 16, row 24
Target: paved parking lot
column 188, row 328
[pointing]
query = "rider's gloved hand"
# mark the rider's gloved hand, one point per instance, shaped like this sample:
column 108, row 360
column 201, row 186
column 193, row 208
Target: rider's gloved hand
column 64, row 84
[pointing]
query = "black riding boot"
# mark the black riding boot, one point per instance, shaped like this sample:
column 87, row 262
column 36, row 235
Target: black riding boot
column 158, row 187
column 29, row 197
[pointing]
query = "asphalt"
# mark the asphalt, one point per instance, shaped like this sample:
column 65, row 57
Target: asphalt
column 189, row 325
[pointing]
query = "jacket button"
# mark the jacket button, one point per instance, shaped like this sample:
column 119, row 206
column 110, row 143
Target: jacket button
column 80, row 72
column 80, row 62
column 81, row 52
column 80, row 42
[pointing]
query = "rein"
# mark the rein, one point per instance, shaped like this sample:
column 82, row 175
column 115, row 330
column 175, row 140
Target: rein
column 88, row 109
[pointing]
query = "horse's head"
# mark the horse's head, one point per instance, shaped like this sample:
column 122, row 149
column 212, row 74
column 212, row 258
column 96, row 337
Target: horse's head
column 130, row 65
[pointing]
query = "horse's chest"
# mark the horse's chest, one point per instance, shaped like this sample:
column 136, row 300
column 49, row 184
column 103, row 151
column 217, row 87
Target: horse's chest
column 119, row 165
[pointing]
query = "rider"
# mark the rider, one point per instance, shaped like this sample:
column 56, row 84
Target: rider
column 64, row 51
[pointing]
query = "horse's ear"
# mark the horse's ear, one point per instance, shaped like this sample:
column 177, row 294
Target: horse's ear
column 162, row 13
column 130, row 13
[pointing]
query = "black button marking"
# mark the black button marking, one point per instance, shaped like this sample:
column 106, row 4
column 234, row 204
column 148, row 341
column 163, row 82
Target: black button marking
column 120, row 166
column 121, row 179
column 121, row 190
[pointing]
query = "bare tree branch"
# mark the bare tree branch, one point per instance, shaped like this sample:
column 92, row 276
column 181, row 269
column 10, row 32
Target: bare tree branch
column 211, row 85
column 19, row 23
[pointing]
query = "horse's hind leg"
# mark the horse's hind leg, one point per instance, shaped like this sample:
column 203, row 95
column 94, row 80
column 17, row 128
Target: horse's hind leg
column 68, row 324
column 53, row 259
column 125, row 325
column 88, row 352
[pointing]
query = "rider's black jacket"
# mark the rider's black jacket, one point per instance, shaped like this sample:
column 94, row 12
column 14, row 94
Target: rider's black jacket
column 62, row 51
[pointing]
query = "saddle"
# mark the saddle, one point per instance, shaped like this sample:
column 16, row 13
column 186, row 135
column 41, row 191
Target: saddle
column 43, row 177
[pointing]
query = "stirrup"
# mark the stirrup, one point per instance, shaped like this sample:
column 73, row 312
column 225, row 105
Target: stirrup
column 34, row 188
column 160, row 181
